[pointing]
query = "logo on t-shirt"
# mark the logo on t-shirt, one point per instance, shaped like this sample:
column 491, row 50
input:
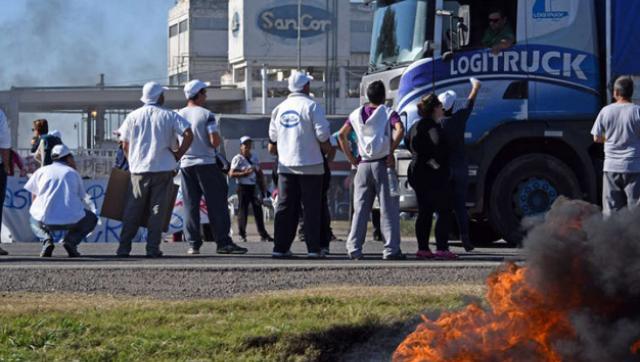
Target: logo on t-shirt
column 290, row 119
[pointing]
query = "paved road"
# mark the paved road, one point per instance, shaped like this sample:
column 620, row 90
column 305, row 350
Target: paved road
column 178, row 275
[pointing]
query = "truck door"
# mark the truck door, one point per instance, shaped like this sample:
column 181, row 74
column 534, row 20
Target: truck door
column 562, row 59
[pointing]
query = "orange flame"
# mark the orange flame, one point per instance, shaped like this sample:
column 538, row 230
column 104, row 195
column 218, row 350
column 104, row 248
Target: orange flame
column 636, row 347
column 519, row 318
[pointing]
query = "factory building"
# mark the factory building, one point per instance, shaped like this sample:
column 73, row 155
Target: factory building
column 253, row 45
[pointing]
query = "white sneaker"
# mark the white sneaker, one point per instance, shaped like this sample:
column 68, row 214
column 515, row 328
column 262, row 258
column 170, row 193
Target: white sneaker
column 320, row 255
column 193, row 251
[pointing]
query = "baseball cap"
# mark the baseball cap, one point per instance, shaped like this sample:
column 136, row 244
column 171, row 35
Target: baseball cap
column 59, row 151
column 298, row 80
column 447, row 99
column 192, row 88
column 151, row 92
column 244, row 139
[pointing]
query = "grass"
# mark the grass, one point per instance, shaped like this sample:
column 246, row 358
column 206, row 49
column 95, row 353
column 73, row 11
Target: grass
column 309, row 325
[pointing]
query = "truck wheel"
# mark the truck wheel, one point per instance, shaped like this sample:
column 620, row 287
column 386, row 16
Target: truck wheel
column 482, row 233
column 526, row 187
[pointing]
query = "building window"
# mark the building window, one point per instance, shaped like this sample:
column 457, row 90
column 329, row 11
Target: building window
column 173, row 30
column 183, row 78
column 201, row 23
column 183, row 26
column 360, row 26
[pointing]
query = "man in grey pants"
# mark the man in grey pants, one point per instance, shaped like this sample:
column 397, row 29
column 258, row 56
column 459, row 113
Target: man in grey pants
column 147, row 136
column 378, row 131
column 618, row 127
column 201, row 176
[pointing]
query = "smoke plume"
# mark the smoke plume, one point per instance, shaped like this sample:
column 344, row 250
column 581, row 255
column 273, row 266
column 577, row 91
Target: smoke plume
column 576, row 299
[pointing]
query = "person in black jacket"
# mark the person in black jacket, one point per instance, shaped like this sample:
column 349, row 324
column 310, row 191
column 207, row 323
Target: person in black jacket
column 429, row 176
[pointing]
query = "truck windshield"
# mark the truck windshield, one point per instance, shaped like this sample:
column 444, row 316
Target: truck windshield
column 400, row 29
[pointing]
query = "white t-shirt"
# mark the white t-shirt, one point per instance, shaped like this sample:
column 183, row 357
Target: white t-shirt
column 152, row 132
column 59, row 192
column 240, row 163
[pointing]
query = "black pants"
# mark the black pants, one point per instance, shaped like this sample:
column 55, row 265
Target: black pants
column 209, row 181
column 295, row 191
column 3, row 189
column 247, row 196
column 434, row 195
column 325, row 215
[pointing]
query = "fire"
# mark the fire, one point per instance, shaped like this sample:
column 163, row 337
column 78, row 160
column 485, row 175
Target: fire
column 519, row 318
column 527, row 316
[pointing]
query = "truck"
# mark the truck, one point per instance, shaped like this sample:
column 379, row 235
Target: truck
column 528, row 139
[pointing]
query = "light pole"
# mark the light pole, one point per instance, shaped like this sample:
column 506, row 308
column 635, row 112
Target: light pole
column 299, row 35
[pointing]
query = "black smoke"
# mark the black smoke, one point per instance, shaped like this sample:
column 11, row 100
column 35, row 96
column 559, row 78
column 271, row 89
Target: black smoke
column 576, row 254
column 70, row 42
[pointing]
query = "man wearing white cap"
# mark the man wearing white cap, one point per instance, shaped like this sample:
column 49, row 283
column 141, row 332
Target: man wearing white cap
column 245, row 168
column 454, row 125
column 202, row 176
column 148, row 135
column 299, row 134
column 5, row 162
column 58, row 194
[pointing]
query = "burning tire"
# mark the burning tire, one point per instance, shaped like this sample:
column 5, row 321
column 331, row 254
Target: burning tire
column 526, row 187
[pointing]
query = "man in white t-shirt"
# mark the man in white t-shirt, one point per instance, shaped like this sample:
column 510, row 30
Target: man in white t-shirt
column 5, row 145
column 245, row 168
column 58, row 203
column 201, row 176
column 148, row 135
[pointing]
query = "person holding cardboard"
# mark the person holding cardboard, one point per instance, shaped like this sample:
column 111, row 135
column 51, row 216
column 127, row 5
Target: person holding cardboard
column 147, row 136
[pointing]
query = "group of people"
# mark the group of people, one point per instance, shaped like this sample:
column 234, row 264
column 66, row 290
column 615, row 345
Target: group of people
column 156, row 142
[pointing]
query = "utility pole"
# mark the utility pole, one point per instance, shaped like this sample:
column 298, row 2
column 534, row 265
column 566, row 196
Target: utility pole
column 299, row 35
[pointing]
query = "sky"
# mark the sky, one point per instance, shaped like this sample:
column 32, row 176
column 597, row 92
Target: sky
column 70, row 42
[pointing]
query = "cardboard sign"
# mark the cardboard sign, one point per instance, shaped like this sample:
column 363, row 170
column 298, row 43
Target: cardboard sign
column 118, row 193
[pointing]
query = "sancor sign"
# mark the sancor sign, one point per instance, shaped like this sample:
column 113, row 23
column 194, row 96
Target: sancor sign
column 282, row 21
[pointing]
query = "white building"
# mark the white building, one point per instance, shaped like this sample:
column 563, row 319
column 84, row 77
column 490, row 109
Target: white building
column 198, row 41
column 231, row 43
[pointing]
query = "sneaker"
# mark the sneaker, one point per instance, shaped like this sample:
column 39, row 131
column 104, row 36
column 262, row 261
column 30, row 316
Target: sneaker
column 193, row 251
column 243, row 239
column 231, row 249
column 356, row 257
column 122, row 255
column 47, row 250
column 267, row 239
column 71, row 250
column 155, row 255
column 3, row 252
column 318, row 255
column 445, row 255
column 377, row 236
column 325, row 251
column 396, row 256
column 424, row 255
column 278, row 255
column 466, row 243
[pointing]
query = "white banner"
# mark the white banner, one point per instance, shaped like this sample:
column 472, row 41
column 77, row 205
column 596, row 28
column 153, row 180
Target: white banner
column 15, row 216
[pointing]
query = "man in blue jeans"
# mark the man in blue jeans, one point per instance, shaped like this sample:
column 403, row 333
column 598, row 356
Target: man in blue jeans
column 202, row 177
column 454, row 125
column 58, row 194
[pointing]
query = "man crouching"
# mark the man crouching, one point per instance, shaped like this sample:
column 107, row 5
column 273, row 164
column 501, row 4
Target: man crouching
column 58, row 194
